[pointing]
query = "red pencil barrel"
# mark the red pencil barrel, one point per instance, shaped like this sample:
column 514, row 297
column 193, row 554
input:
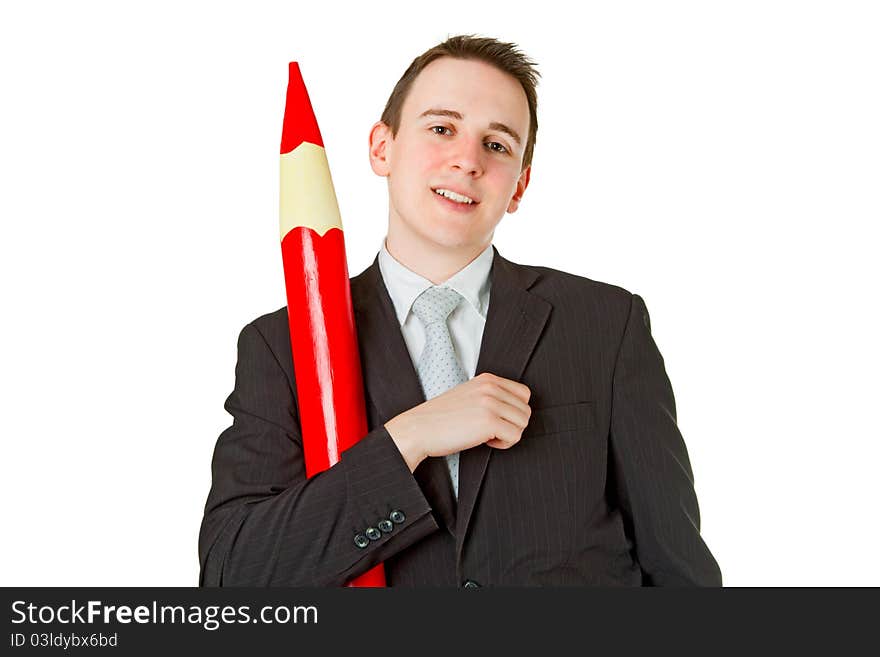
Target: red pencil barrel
column 323, row 335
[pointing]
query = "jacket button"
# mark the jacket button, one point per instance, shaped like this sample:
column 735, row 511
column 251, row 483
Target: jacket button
column 361, row 541
column 397, row 517
column 386, row 526
column 373, row 534
column 471, row 584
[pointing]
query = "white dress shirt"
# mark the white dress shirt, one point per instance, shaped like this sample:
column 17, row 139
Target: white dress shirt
column 466, row 322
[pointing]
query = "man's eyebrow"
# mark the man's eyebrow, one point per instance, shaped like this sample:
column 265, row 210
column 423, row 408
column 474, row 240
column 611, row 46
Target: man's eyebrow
column 452, row 114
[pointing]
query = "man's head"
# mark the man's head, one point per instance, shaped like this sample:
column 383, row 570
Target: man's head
column 503, row 56
column 462, row 119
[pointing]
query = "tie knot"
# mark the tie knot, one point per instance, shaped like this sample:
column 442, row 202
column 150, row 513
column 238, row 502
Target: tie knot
column 435, row 304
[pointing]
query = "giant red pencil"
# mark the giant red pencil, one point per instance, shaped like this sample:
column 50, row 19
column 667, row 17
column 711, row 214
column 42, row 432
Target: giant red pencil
column 322, row 330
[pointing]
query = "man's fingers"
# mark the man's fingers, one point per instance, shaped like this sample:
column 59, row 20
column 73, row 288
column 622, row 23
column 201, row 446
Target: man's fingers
column 517, row 410
column 497, row 443
column 519, row 390
column 512, row 410
column 506, row 434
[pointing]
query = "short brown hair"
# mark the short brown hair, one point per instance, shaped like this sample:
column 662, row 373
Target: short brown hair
column 503, row 56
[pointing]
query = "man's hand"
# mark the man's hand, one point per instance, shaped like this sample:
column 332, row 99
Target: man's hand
column 487, row 409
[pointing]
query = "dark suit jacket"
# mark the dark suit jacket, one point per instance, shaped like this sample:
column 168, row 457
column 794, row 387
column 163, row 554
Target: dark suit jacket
column 599, row 490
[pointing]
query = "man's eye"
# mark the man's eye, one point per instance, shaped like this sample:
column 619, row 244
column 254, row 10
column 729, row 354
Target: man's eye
column 434, row 129
column 500, row 149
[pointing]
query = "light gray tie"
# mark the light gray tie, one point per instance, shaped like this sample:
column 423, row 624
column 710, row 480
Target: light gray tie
column 439, row 369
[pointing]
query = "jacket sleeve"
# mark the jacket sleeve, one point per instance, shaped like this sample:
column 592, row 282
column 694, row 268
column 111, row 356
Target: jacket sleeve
column 651, row 468
column 265, row 524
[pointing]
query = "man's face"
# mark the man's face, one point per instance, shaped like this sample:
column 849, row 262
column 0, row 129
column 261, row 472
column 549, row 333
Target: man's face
column 463, row 129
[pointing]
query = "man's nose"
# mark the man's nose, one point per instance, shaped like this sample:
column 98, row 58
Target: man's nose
column 467, row 156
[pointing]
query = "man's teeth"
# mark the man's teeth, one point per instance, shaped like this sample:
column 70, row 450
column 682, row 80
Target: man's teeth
column 458, row 198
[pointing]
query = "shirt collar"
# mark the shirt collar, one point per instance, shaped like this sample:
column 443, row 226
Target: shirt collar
column 404, row 285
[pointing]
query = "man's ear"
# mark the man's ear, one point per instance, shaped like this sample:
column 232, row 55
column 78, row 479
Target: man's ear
column 380, row 143
column 521, row 185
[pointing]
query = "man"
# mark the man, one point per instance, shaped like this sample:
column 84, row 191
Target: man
column 522, row 426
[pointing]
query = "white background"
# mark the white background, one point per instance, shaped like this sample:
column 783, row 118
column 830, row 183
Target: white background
column 720, row 159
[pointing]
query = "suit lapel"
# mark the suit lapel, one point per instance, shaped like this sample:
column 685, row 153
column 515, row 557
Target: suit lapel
column 514, row 323
column 391, row 383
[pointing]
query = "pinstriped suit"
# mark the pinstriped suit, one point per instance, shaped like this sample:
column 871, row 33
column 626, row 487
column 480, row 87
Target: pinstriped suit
column 599, row 491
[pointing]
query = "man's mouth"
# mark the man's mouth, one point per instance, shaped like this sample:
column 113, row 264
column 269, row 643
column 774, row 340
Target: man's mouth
column 454, row 196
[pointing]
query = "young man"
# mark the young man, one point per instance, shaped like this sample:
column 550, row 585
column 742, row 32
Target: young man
column 522, row 426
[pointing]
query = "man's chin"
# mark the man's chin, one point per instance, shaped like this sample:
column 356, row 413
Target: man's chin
column 450, row 240
column 440, row 235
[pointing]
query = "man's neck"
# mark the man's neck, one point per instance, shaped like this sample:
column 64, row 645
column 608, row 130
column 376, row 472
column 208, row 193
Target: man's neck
column 436, row 265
